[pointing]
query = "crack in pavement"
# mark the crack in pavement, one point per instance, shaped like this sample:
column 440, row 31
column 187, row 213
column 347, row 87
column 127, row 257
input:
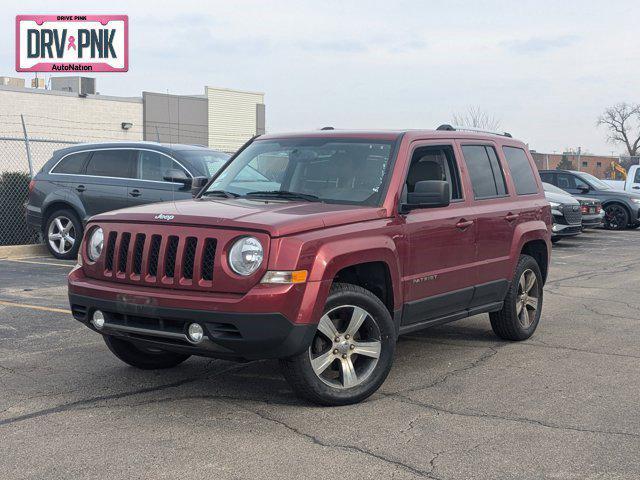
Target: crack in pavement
column 353, row 448
column 79, row 403
column 523, row 420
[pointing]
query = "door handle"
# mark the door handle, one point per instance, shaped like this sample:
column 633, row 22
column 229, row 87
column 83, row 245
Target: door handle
column 135, row 192
column 636, row 187
column 510, row 217
column 80, row 188
column 464, row 224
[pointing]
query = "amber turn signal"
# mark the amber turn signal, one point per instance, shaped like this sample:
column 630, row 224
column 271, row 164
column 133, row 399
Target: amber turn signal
column 279, row 276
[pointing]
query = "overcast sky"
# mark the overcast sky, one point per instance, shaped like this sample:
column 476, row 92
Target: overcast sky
column 545, row 69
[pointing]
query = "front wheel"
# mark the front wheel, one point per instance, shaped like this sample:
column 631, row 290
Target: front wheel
column 351, row 353
column 522, row 306
column 143, row 358
column 616, row 217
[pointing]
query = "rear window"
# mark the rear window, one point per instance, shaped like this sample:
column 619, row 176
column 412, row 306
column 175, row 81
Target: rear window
column 484, row 169
column 521, row 171
column 71, row 164
column 112, row 163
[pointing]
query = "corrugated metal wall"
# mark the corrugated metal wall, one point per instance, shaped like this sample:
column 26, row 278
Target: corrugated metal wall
column 232, row 117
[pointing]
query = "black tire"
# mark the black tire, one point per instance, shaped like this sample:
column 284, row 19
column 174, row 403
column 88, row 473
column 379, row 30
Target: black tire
column 143, row 359
column 506, row 323
column 555, row 240
column 78, row 231
column 616, row 217
column 307, row 384
column 634, row 226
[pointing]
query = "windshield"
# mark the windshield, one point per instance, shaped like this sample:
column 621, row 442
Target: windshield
column 205, row 163
column 332, row 170
column 595, row 182
column 553, row 189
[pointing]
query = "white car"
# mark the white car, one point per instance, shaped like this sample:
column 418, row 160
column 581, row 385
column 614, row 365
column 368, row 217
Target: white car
column 631, row 184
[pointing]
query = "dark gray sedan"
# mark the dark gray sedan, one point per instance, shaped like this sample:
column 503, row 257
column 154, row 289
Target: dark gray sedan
column 84, row 180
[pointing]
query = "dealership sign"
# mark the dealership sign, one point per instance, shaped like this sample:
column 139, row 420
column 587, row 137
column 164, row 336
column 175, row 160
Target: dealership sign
column 72, row 43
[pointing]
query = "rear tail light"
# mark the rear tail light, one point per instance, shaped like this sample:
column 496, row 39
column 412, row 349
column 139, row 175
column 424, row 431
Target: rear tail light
column 598, row 208
column 584, row 209
column 32, row 185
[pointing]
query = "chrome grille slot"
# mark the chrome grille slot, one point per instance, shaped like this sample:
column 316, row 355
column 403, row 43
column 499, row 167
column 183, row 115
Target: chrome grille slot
column 170, row 258
column 207, row 258
column 154, row 255
column 124, row 252
column 189, row 257
column 137, row 253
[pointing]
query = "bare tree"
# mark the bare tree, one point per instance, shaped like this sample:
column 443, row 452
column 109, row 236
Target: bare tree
column 623, row 122
column 476, row 118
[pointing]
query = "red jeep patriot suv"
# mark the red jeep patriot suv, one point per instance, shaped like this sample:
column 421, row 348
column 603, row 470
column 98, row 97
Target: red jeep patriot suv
column 319, row 249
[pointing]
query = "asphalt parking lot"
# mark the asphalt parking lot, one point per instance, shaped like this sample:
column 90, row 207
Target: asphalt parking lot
column 459, row 403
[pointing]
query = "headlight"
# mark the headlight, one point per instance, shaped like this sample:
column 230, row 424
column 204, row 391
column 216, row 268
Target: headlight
column 246, row 255
column 94, row 246
column 555, row 204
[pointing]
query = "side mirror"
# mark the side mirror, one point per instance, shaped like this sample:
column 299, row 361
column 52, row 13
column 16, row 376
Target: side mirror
column 177, row 176
column 196, row 185
column 428, row 194
column 584, row 189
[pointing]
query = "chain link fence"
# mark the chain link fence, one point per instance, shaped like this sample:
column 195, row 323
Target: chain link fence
column 20, row 159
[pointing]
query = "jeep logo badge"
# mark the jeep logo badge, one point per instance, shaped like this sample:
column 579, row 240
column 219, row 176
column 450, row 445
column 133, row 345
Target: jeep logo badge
column 162, row 216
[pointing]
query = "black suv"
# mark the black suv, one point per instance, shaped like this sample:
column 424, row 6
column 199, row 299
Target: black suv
column 622, row 209
column 84, row 180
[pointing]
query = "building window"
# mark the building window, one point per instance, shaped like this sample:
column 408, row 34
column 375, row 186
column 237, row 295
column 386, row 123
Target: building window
column 585, row 164
column 599, row 164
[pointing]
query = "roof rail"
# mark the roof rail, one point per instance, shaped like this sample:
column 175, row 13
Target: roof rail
column 451, row 128
column 327, row 128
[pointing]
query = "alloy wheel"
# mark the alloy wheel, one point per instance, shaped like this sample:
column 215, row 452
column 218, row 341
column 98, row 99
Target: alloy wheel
column 615, row 216
column 528, row 298
column 61, row 235
column 346, row 348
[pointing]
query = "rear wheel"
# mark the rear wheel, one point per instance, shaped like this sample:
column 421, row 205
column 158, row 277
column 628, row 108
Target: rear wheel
column 522, row 307
column 351, row 353
column 143, row 358
column 634, row 226
column 63, row 234
column 555, row 240
column 616, row 217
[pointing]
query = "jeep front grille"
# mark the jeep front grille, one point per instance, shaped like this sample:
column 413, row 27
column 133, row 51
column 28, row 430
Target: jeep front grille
column 174, row 260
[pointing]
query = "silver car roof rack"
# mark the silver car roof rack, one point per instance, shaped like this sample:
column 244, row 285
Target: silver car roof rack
column 451, row 128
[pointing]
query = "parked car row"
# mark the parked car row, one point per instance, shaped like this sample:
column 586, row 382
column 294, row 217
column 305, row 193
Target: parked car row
column 580, row 200
column 85, row 180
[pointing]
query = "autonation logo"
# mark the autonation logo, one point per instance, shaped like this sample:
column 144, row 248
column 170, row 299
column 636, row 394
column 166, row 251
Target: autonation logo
column 59, row 43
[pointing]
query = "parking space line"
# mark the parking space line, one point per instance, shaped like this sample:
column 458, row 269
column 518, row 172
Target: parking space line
column 34, row 307
column 19, row 260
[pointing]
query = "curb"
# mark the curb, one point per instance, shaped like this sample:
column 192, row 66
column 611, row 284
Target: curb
column 17, row 251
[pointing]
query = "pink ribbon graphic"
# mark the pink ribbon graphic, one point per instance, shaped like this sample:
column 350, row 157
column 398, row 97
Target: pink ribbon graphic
column 72, row 43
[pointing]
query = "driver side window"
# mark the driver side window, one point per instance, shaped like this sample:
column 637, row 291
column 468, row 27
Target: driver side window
column 155, row 166
column 434, row 163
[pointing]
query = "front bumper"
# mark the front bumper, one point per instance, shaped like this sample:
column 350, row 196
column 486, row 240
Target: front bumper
column 268, row 322
column 559, row 230
column 227, row 335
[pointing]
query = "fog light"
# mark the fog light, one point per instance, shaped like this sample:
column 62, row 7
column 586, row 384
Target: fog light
column 195, row 333
column 98, row 319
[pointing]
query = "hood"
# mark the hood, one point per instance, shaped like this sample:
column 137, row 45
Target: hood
column 560, row 198
column 275, row 217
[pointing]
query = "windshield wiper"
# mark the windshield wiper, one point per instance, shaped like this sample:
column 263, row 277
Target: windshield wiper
column 220, row 193
column 284, row 194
